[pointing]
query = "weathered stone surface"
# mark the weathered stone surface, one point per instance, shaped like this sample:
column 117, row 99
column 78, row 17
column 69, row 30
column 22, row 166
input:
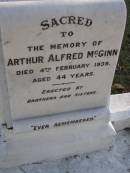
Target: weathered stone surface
column 116, row 159
column 59, row 56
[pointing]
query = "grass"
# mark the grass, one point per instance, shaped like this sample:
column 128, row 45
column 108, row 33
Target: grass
column 121, row 81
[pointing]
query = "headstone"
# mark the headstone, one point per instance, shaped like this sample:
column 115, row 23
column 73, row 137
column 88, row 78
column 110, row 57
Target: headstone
column 58, row 59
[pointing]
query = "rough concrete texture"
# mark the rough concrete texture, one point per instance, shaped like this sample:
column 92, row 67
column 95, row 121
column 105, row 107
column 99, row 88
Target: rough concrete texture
column 115, row 160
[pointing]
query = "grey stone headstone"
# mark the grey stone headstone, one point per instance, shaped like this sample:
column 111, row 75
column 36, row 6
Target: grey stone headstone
column 58, row 56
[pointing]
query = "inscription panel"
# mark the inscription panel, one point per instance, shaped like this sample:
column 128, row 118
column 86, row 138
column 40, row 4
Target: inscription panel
column 60, row 56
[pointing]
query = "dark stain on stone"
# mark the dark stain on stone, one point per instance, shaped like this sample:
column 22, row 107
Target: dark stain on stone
column 125, row 141
column 37, row 163
column 68, row 158
column 128, row 170
column 7, row 42
column 75, row 156
column 4, row 141
column 123, row 158
column 87, row 157
column 110, row 149
column 67, row 172
column 38, row 34
column 127, row 129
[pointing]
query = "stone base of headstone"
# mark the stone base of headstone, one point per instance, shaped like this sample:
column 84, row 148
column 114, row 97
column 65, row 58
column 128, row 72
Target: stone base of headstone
column 120, row 111
column 47, row 67
column 25, row 146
